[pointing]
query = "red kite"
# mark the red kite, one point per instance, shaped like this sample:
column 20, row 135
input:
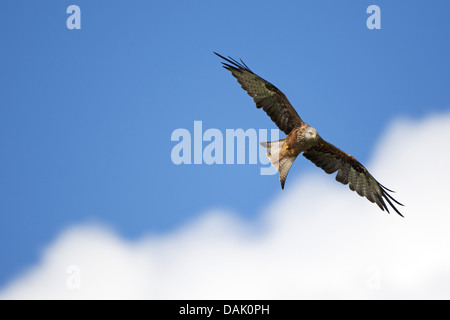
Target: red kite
column 302, row 138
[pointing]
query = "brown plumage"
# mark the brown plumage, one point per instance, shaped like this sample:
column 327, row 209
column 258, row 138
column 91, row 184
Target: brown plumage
column 302, row 138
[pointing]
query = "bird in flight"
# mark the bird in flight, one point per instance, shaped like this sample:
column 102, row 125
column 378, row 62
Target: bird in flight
column 302, row 138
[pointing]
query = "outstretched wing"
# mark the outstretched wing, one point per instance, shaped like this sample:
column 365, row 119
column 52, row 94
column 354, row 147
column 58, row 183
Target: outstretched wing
column 350, row 171
column 265, row 95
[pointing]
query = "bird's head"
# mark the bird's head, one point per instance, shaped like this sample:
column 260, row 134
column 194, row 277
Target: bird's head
column 311, row 134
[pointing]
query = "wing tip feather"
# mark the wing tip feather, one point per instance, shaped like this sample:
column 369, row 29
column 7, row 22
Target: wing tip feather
column 233, row 64
column 388, row 198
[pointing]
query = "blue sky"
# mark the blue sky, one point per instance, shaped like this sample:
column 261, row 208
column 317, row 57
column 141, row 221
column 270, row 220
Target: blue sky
column 86, row 115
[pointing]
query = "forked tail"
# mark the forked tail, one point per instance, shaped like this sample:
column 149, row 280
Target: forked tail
column 280, row 161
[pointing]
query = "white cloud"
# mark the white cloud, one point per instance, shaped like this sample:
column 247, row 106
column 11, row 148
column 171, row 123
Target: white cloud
column 317, row 240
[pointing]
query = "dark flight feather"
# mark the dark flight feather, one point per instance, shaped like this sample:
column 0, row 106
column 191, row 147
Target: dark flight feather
column 265, row 95
column 351, row 172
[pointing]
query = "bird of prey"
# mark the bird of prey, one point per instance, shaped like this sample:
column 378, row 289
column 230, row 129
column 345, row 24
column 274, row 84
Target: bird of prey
column 302, row 138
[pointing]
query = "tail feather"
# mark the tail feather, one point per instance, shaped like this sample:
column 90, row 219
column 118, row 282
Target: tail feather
column 281, row 163
column 284, row 167
column 275, row 145
column 274, row 151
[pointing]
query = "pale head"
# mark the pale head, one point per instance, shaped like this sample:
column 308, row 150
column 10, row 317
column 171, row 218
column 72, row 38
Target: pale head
column 311, row 134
